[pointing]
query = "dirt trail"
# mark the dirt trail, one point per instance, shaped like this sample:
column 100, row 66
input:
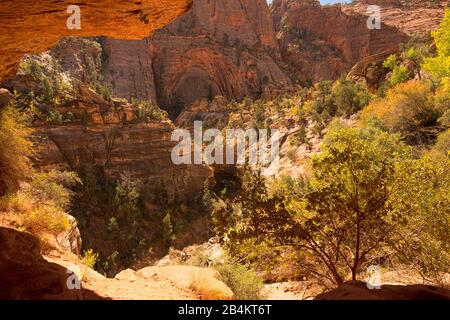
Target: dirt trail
column 157, row 289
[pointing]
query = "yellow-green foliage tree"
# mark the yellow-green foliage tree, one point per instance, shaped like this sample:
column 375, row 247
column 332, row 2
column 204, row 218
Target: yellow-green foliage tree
column 15, row 149
column 422, row 198
column 411, row 109
column 439, row 66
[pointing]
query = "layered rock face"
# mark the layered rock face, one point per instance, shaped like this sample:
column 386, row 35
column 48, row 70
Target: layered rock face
column 31, row 27
column 128, row 68
column 114, row 139
column 414, row 17
column 225, row 48
column 322, row 42
column 239, row 48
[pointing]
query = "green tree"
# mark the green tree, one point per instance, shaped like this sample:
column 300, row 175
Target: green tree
column 421, row 196
column 349, row 97
column 339, row 219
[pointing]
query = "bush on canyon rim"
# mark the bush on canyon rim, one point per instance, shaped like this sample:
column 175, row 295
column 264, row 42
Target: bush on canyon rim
column 244, row 283
column 41, row 204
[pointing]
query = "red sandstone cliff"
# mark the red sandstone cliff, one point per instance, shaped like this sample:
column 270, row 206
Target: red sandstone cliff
column 220, row 47
column 322, row 42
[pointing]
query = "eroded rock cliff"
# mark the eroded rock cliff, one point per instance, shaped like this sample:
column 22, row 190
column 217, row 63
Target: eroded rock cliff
column 322, row 42
column 225, row 48
column 414, row 17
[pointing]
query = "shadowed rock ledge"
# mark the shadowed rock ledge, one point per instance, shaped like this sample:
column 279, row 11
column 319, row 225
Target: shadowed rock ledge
column 31, row 27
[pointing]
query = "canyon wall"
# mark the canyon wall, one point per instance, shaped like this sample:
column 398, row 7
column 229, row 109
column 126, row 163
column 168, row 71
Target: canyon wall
column 221, row 47
column 238, row 48
column 322, row 42
column 414, row 17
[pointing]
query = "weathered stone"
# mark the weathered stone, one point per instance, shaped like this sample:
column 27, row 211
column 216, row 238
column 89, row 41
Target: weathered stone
column 29, row 26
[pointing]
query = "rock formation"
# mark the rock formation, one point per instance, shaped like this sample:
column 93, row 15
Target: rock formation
column 47, row 277
column 128, row 68
column 225, row 48
column 237, row 48
column 31, row 27
column 322, row 42
column 26, row 274
column 356, row 290
column 411, row 17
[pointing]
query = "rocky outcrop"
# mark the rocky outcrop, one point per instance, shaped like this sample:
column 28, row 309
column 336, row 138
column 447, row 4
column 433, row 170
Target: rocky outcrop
column 128, row 68
column 213, row 114
column 22, row 32
column 25, row 274
column 239, row 48
column 224, row 48
column 411, row 17
column 113, row 137
column 323, row 42
column 357, row 290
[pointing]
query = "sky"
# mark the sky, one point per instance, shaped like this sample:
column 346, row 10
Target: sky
column 326, row 1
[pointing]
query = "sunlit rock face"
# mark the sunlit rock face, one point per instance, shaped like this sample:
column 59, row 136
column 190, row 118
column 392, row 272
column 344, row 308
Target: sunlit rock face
column 220, row 48
column 322, row 42
column 30, row 26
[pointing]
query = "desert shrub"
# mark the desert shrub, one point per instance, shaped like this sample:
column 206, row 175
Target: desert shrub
column 148, row 111
column 443, row 143
column 349, row 97
column 399, row 72
column 390, row 62
column 54, row 187
column 127, row 195
column 104, row 90
column 89, row 258
column 48, row 72
column 198, row 258
column 301, row 137
column 15, row 149
column 399, row 75
column 40, row 206
column 421, row 196
column 32, row 67
column 19, row 202
column 245, row 283
column 45, row 218
column 54, row 117
column 408, row 109
column 259, row 119
column 167, row 229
